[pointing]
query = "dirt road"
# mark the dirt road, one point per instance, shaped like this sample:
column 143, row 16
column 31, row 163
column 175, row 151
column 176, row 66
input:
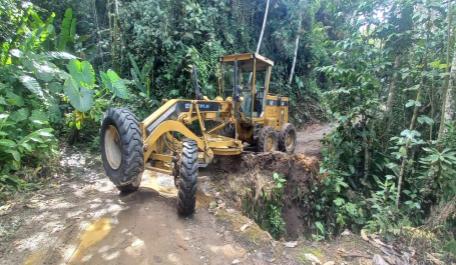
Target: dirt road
column 85, row 221
column 81, row 219
column 308, row 139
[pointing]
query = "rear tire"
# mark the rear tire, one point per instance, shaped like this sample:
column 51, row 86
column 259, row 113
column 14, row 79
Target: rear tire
column 187, row 178
column 267, row 140
column 287, row 138
column 122, row 149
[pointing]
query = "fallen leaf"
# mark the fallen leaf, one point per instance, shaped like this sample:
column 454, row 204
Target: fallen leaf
column 329, row 263
column 341, row 251
column 364, row 235
column 245, row 226
column 5, row 209
column 290, row 244
column 312, row 258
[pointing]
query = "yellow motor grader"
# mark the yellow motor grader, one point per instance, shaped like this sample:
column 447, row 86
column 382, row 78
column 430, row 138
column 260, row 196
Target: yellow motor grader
column 185, row 134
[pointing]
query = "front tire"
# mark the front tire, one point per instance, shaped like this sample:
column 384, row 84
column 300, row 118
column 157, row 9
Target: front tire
column 287, row 138
column 122, row 149
column 267, row 140
column 187, row 178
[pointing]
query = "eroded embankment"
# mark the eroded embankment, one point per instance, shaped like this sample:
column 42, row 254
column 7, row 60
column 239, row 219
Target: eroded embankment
column 271, row 188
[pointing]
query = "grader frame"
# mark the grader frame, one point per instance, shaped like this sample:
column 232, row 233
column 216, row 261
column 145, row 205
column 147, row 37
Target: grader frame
column 209, row 142
column 225, row 112
column 184, row 134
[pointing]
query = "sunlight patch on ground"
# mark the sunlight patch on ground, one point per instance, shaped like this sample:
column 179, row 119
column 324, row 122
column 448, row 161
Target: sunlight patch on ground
column 136, row 247
column 163, row 184
column 93, row 234
column 174, row 258
column 32, row 243
column 113, row 209
column 35, row 258
column 228, row 251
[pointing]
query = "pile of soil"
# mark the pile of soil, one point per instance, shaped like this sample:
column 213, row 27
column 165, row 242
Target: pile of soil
column 247, row 177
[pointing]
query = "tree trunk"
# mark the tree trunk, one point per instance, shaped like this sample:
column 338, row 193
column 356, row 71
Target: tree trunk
column 366, row 147
column 98, row 34
column 448, row 100
column 265, row 19
column 408, row 144
column 392, row 89
column 416, row 108
column 295, row 54
column 260, row 40
column 115, row 34
column 446, row 112
column 449, row 105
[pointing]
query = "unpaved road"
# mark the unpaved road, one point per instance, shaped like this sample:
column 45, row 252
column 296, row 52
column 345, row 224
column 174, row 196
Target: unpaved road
column 86, row 221
column 308, row 139
column 82, row 219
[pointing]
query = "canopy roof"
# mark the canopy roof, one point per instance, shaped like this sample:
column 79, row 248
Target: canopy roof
column 245, row 61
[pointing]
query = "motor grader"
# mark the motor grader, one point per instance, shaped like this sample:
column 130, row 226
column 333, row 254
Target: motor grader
column 185, row 134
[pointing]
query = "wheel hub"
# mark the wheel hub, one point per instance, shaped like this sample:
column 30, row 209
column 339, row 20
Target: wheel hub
column 112, row 147
column 269, row 144
column 289, row 141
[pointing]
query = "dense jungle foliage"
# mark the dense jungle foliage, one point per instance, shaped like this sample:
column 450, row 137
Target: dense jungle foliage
column 383, row 71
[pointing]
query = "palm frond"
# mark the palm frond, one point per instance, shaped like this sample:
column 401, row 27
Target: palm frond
column 60, row 55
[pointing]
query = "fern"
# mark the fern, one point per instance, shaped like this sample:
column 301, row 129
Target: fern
column 141, row 77
column 68, row 30
column 31, row 84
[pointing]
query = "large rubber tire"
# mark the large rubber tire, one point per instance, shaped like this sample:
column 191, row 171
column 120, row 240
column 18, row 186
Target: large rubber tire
column 267, row 140
column 287, row 138
column 122, row 149
column 187, row 178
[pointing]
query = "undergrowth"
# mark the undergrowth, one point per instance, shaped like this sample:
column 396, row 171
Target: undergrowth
column 266, row 208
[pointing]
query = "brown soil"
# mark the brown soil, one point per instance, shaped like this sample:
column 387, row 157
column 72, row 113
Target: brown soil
column 82, row 218
column 308, row 140
column 246, row 183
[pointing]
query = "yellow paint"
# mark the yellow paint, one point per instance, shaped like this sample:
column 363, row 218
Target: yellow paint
column 164, row 185
column 93, row 234
column 151, row 180
column 35, row 258
column 209, row 143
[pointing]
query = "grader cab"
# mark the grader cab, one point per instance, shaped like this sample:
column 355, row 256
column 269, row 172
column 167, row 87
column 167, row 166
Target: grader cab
column 186, row 134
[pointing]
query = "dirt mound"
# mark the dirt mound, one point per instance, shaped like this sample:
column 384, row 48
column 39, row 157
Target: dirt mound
column 248, row 182
column 282, row 163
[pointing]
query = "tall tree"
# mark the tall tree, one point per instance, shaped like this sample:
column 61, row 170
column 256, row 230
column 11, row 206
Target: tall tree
column 295, row 53
column 263, row 26
column 416, row 108
column 447, row 92
column 447, row 85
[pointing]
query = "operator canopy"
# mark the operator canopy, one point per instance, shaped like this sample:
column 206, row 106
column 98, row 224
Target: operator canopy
column 245, row 61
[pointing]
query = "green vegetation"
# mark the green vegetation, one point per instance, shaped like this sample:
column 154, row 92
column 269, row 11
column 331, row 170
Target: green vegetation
column 266, row 208
column 38, row 97
column 384, row 71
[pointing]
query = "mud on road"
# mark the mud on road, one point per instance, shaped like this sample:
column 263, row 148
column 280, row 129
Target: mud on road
column 82, row 219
